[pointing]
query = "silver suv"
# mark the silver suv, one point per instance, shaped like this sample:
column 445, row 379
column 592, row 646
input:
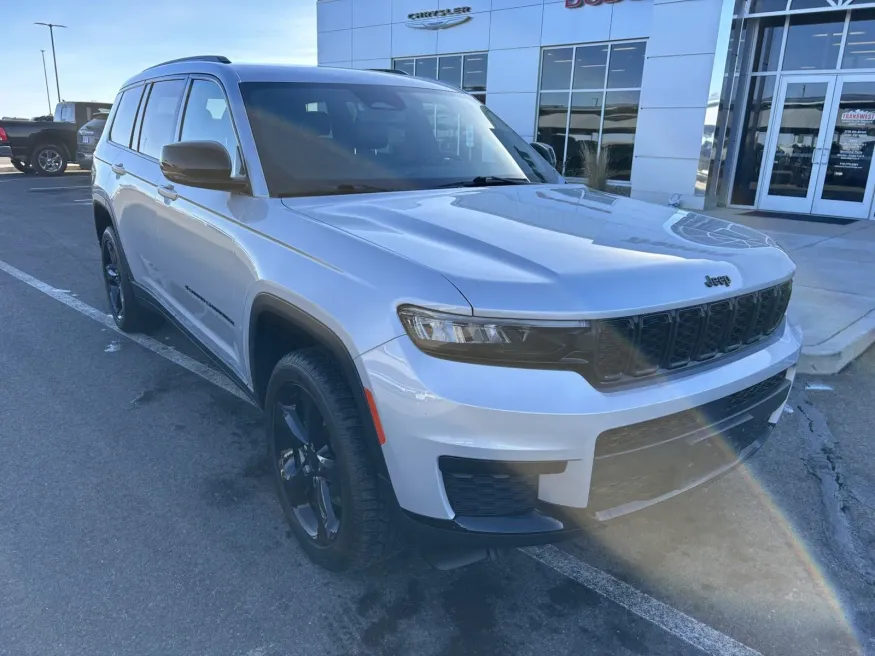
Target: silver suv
column 449, row 342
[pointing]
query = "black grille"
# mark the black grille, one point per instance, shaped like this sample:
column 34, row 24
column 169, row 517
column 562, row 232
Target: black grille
column 644, row 345
column 490, row 495
column 655, row 431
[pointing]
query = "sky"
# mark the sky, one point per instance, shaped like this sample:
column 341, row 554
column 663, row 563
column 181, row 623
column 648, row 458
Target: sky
column 108, row 41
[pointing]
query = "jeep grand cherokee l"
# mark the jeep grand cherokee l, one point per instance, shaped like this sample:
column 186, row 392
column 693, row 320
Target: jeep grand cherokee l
column 447, row 340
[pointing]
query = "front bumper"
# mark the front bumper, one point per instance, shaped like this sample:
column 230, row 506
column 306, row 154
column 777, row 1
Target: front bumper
column 436, row 412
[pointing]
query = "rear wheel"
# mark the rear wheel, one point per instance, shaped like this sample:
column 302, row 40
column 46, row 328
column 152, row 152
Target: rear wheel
column 325, row 476
column 49, row 159
column 128, row 313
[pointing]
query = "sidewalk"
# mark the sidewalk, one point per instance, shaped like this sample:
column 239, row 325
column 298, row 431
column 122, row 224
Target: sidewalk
column 833, row 295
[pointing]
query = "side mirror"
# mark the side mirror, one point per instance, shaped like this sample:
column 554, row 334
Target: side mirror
column 546, row 151
column 204, row 164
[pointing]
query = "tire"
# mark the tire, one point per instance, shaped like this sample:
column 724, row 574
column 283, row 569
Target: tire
column 21, row 166
column 363, row 533
column 49, row 160
column 129, row 314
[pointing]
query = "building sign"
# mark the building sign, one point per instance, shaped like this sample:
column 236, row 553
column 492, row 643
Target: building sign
column 574, row 4
column 440, row 19
column 858, row 117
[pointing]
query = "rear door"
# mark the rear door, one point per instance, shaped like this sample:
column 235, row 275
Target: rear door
column 156, row 126
column 127, row 186
column 206, row 273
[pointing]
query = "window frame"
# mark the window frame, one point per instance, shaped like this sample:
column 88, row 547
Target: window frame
column 144, row 104
column 480, row 94
column 183, row 109
column 604, row 90
column 116, row 106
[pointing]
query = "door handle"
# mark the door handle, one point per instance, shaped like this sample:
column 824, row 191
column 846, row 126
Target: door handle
column 118, row 169
column 168, row 192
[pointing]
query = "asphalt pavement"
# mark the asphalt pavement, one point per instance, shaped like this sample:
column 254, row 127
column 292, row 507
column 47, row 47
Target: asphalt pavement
column 137, row 517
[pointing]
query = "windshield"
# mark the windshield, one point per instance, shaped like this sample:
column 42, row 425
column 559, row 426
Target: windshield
column 349, row 138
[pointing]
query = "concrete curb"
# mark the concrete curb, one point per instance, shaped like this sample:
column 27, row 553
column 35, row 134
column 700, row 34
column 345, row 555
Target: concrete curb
column 833, row 355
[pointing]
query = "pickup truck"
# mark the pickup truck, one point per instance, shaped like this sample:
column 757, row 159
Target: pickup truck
column 45, row 147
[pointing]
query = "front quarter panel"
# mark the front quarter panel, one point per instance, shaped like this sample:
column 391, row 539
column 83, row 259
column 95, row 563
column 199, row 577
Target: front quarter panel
column 350, row 286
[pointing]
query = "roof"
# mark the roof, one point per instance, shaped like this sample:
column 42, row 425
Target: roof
column 231, row 73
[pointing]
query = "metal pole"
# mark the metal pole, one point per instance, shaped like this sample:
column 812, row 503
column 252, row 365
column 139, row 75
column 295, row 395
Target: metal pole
column 55, row 60
column 46, row 75
column 52, row 27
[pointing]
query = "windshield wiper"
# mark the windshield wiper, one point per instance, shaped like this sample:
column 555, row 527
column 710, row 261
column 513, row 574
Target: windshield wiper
column 345, row 188
column 485, row 181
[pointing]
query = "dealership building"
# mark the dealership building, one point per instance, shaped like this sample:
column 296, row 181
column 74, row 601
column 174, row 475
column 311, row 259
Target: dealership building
column 767, row 104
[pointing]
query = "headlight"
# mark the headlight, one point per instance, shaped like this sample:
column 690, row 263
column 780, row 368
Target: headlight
column 543, row 344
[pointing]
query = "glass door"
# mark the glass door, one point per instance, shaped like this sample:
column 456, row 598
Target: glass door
column 793, row 155
column 845, row 181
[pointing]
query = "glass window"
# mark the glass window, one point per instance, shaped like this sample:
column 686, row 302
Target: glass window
column 427, row 67
column 860, row 44
column 759, row 6
column 813, row 41
column 556, row 68
column 752, row 143
column 65, row 113
column 583, row 130
column 553, row 122
column 475, row 72
column 627, row 65
column 468, row 72
column 809, row 4
column 125, row 115
column 380, row 138
column 596, row 114
column 406, row 65
column 207, row 118
column 618, row 132
column 589, row 67
column 159, row 118
column 768, row 51
column 450, row 70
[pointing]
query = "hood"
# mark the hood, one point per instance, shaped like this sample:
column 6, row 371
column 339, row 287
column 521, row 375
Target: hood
column 559, row 251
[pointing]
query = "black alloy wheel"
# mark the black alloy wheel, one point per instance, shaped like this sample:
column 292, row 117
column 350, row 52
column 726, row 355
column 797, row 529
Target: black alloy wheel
column 112, row 280
column 310, row 481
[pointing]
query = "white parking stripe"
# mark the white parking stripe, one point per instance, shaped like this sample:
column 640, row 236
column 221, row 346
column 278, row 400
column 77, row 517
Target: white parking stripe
column 153, row 345
column 643, row 605
column 38, row 189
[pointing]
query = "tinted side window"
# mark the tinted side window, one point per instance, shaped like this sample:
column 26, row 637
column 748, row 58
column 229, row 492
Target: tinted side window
column 208, row 118
column 123, row 123
column 159, row 119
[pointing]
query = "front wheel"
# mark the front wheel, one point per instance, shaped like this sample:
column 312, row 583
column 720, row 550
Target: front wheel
column 49, row 159
column 325, row 475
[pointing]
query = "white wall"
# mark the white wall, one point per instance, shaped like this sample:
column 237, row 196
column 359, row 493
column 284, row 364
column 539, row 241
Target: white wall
column 677, row 74
column 680, row 54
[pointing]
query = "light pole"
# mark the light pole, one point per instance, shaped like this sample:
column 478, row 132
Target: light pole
column 46, row 75
column 51, row 27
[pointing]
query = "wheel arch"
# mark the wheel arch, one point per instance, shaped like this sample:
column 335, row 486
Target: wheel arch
column 277, row 327
column 49, row 137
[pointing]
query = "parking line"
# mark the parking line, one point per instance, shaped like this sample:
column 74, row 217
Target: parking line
column 671, row 620
column 184, row 361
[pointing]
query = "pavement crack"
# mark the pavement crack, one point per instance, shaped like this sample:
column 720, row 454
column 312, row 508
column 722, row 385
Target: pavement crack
column 824, row 464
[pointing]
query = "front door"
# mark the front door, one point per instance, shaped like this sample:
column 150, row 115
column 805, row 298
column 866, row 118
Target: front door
column 845, row 181
column 793, row 152
column 819, row 152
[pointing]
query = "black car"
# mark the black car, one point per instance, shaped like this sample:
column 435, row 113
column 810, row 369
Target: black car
column 87, row 138
column 46, row 146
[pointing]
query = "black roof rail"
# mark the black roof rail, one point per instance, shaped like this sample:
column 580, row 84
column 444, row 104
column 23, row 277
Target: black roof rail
column 218, row 59
column 389, row 70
